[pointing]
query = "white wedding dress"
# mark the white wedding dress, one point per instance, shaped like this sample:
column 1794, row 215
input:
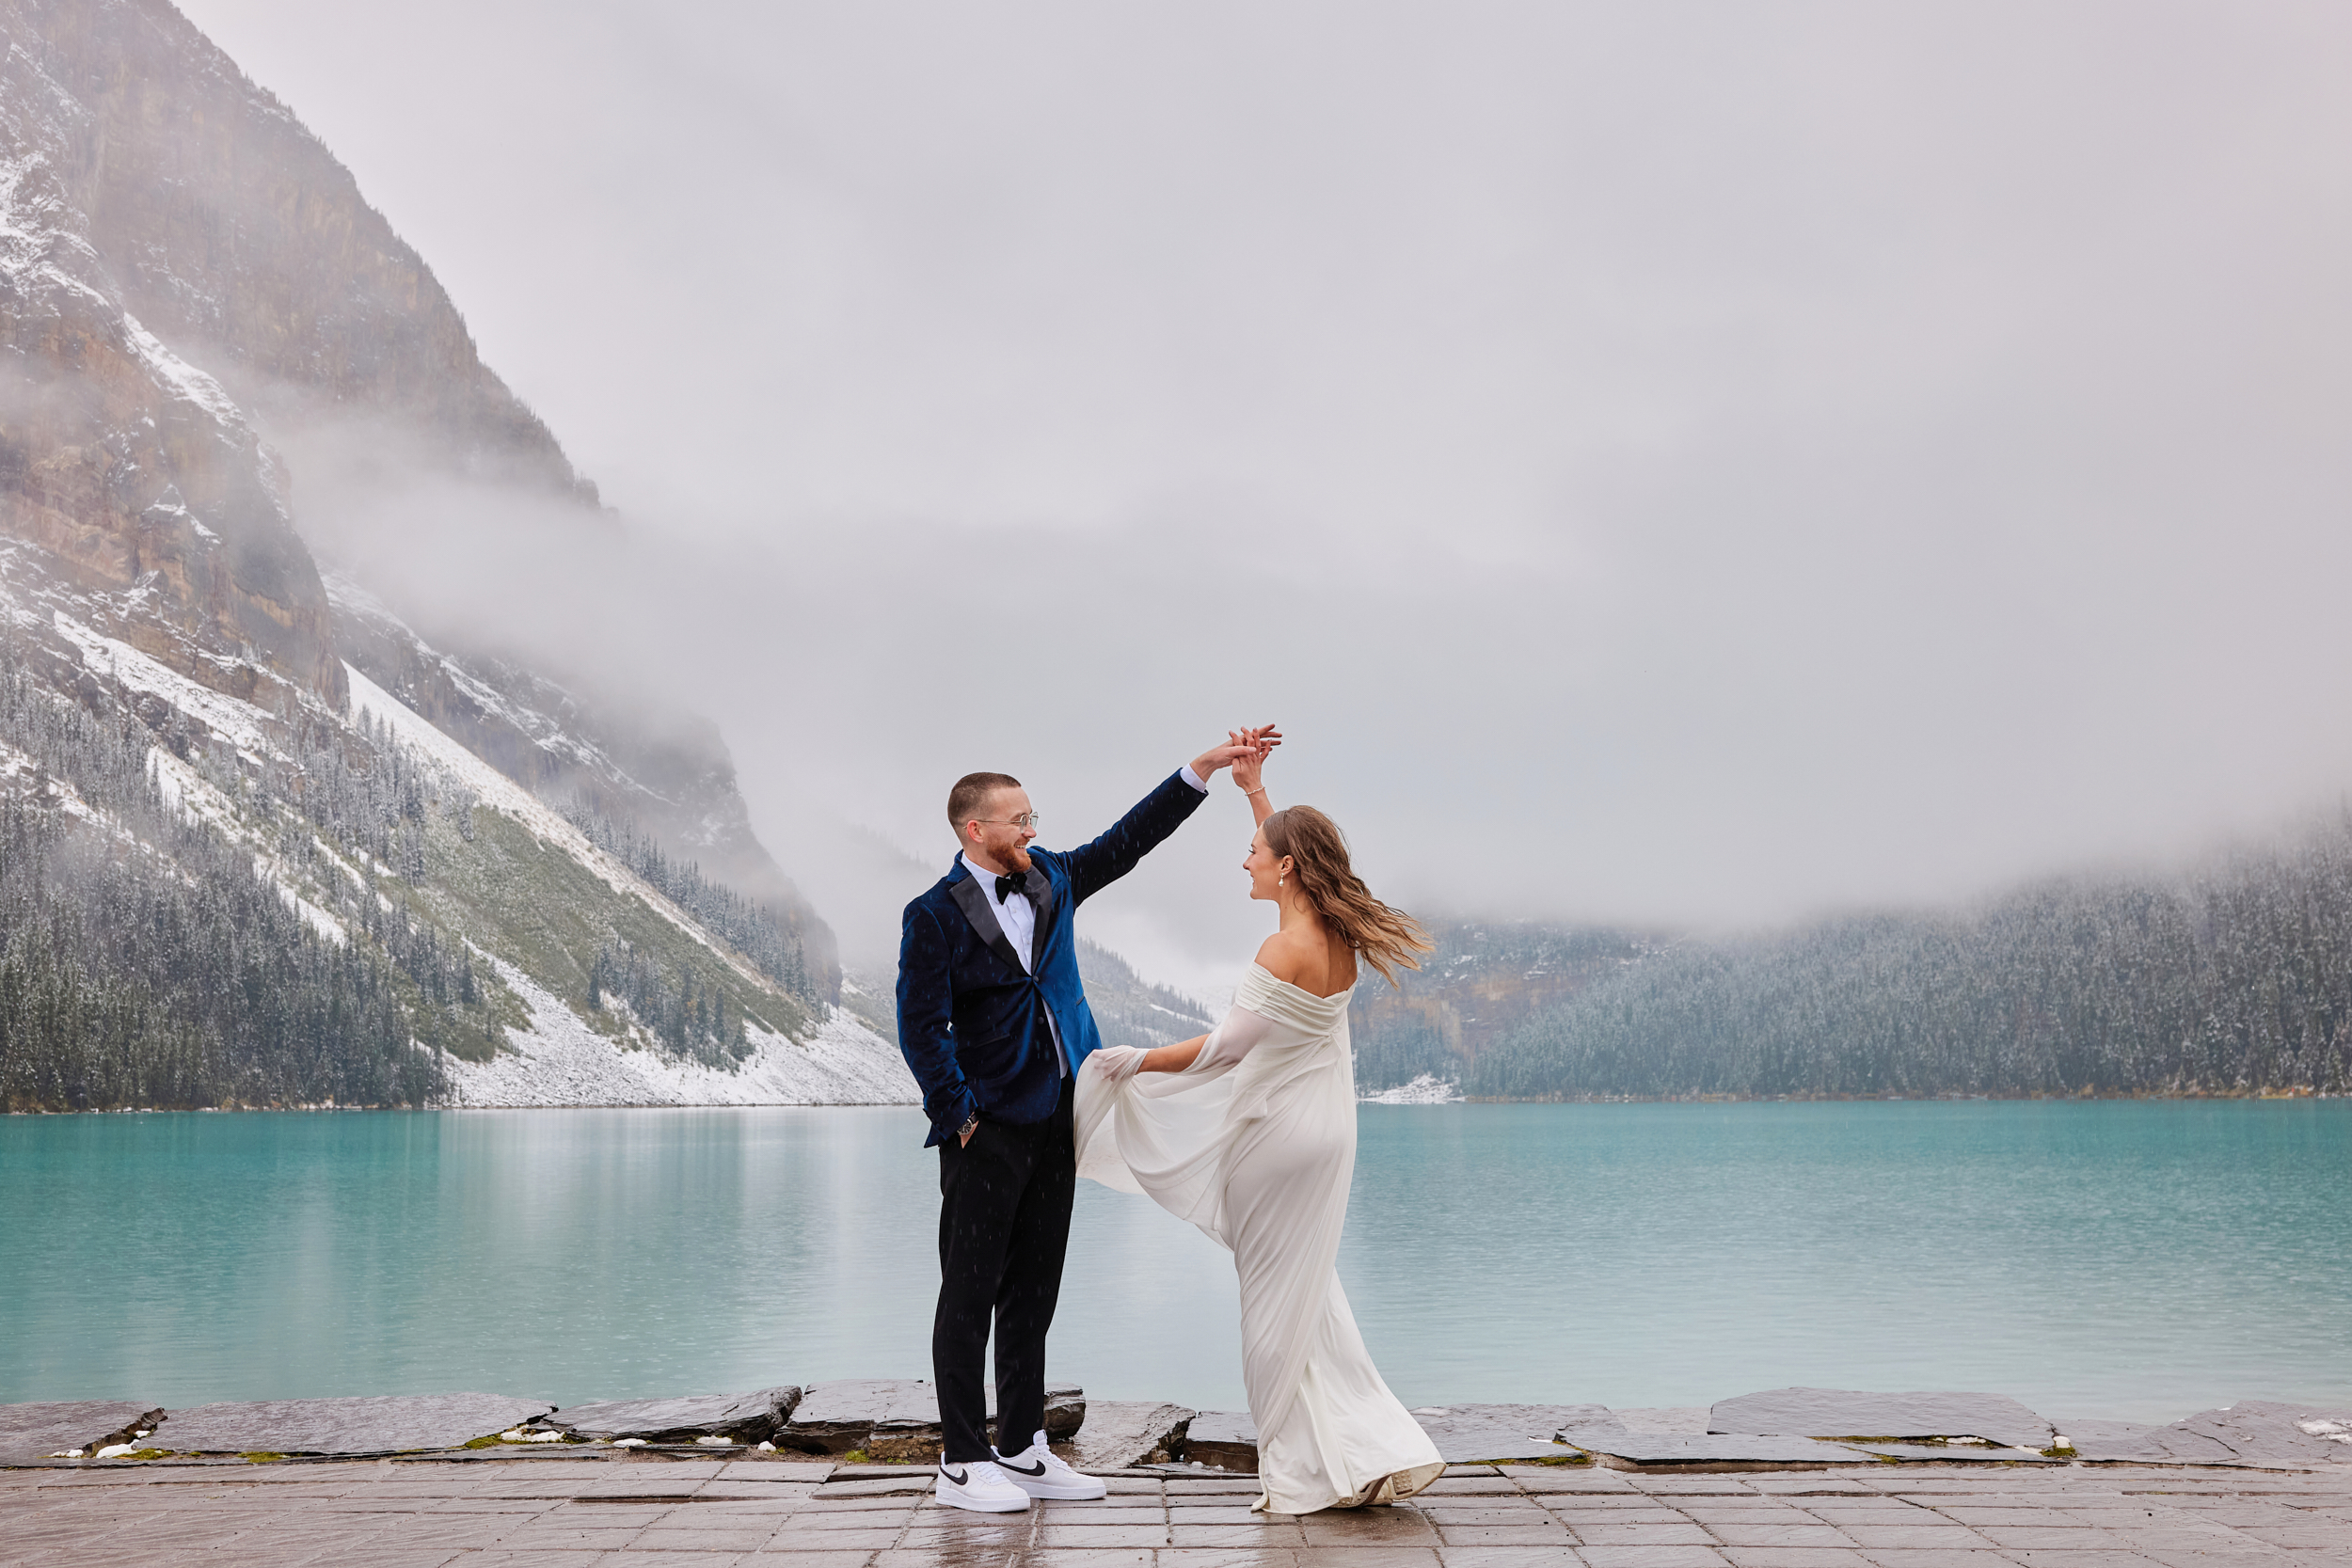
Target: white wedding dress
column 1255, row 1143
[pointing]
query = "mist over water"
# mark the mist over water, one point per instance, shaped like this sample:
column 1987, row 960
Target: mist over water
column 1660, row 464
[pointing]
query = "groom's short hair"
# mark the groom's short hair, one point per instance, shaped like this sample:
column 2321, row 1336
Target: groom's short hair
column 970, row 796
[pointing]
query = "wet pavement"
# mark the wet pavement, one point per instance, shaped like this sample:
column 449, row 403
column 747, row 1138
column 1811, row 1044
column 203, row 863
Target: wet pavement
column 558, row 1513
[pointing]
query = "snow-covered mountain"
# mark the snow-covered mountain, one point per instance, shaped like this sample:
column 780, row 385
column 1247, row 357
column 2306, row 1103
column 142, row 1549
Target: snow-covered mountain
column 492, row 887
column 448, row 936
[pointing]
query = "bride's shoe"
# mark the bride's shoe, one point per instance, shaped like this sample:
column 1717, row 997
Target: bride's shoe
column 1041, row 1472
column 1380, row 1494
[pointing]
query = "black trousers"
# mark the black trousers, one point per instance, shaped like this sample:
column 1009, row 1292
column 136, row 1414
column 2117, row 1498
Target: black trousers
column 1003, row 1225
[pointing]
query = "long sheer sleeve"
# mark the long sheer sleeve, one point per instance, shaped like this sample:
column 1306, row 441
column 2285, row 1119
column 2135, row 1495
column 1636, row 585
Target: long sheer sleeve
column 1231, row 1040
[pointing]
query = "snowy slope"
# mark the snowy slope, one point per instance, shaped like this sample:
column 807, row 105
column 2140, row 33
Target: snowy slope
column 560, row 1061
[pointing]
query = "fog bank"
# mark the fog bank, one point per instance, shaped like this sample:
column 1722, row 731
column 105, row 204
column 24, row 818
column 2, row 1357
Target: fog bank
column 1659, row 463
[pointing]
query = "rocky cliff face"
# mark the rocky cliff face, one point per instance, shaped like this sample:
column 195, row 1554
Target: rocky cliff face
column 231, row 231
column 191, row 288
column 132, row 474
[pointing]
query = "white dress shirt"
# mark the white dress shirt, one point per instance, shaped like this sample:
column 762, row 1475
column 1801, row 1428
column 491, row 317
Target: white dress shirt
column 1017, row 918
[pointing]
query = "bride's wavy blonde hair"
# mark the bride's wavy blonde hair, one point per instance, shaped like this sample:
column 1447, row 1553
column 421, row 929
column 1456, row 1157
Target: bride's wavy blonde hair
column 1388, row 938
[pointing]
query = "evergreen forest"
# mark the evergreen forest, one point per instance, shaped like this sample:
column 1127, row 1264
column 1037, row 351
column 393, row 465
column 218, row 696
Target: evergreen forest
column 753, row 929
column 145, row 961
column 2233, row 979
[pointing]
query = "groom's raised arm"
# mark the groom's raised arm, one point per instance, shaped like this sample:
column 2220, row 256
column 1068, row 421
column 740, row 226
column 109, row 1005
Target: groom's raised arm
column 1094, row 866
column 926, row 1008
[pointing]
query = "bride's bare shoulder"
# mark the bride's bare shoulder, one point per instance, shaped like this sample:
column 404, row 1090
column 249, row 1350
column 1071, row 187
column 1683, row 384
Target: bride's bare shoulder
column 1283, row 956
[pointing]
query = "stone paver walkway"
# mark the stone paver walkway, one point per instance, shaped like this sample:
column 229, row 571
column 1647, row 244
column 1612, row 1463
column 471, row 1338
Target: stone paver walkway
column 561, row 1513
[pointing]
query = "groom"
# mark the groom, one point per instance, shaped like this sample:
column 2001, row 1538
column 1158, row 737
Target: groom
column 993, row 1021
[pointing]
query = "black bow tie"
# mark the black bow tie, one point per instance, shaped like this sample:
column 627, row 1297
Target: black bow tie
column 1017, row 883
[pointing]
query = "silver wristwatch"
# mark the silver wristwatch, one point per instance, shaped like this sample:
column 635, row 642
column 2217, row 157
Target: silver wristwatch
column 969, row 1128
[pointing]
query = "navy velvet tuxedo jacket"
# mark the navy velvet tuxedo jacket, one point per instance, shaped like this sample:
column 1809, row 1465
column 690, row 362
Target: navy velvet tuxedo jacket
column 971, row 1020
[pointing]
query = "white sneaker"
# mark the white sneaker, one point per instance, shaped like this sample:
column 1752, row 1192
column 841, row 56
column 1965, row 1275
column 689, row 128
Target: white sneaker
column 1040, row 1473
column 981, row 1487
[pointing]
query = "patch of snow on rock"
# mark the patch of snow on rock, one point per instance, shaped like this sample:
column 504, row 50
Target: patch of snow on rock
column 237, row 722
column 1426, row 1089
column 179, row 376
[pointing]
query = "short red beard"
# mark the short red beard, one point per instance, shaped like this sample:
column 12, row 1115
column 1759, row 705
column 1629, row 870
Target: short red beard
column 1013, row 857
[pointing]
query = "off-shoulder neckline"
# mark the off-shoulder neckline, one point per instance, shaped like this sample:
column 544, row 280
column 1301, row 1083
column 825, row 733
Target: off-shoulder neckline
column 1299, row 989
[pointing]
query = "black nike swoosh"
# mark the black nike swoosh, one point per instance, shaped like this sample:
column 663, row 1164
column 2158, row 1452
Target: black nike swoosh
column 959, row 1479
column 1004, row 1464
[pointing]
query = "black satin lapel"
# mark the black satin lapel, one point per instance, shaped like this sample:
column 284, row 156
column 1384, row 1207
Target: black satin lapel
column 972, row 898
column 1044, row 904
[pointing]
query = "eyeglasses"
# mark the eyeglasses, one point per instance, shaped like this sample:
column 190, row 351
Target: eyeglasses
column 1026, row 820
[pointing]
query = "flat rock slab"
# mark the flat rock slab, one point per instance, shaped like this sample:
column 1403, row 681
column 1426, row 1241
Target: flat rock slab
column 2133, row 1442
column 391, row 1424
column 1957, row 1454
column 856, row 1406
column 897, row 1418
column 34, row 1432
column 2264, row 1432
column 1494, row 1434
column 1118, row 1435
column 1465, row 1434
column 1840, row 1413
column 753, row 1417
column 1065, row 1414
column 1225, row 1438
column 1690, row 1419
column 1622, row 1448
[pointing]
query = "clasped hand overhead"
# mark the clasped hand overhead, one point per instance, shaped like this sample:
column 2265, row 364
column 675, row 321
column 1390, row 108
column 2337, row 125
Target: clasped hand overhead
column 1243, row 747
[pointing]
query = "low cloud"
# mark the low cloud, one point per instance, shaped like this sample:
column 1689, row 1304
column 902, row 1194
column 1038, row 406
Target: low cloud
column 1665, row 464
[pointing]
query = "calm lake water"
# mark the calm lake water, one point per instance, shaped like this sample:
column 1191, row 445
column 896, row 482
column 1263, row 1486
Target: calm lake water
column 2125, row 1259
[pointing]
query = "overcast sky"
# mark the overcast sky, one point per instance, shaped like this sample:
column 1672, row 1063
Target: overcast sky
column 1668, row 463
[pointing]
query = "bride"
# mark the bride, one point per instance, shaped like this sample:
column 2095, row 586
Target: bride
column 1249, row 1133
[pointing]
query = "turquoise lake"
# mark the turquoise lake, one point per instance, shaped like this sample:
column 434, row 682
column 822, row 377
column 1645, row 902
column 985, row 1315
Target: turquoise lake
column 2134, row 1260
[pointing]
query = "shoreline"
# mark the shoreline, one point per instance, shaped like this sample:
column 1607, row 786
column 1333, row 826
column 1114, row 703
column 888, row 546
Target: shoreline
column 866, row 1421
column 2184, row 1096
